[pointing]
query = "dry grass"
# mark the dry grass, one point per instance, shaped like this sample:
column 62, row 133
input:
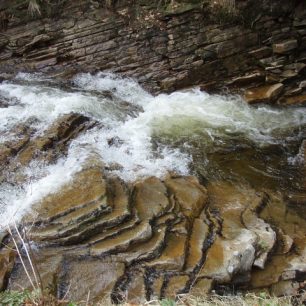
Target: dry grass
column 214, row 300
column 34, row 8
column 36, row 299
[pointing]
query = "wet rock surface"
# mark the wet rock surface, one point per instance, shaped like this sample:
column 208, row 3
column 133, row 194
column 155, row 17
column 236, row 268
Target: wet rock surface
column 159, row 238
column 155, row 238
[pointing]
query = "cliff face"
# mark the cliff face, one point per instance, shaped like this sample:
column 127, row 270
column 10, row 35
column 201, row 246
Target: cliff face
column 165, row 49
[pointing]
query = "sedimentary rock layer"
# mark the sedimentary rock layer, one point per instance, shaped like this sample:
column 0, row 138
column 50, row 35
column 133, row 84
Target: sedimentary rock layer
column 168, row 48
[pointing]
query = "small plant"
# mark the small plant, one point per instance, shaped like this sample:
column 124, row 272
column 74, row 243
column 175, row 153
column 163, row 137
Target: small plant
column 13, row 298
column 167, row 302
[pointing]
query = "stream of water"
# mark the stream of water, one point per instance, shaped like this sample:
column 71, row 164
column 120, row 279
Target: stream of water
column 187, row 132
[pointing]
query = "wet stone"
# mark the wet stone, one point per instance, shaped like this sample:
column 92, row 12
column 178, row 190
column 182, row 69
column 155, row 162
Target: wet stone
column 189, row 195
column 86, row 187
column 200, row 231
column 156, row 287
column 121, row 242
column 151, row 199
column 173, row 256
column 48, row 264
column 7, row 259
column 264, row 94
column 175, row 285
column 91, row 277
column 141, row 252
column 136, row 289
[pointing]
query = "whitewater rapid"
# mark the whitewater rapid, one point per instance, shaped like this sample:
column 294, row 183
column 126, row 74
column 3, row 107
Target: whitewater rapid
column 142, row 129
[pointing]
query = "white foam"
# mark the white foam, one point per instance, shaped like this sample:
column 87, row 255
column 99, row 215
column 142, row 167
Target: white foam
column 126, row 89
column 16, row 201
column 125, row 142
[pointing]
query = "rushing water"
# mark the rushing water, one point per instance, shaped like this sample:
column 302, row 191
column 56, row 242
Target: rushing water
column 139, row 135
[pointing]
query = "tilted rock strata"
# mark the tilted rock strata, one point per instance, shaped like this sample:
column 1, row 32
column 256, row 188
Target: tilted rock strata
column 165, row 50
column 159, row 238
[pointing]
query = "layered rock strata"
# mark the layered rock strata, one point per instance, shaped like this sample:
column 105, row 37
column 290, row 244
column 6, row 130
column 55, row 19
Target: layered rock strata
column 260, row 49
column 100, row 237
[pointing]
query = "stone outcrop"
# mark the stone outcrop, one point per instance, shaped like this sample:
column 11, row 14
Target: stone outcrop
column 166, row 48
column 158, row 238
column 47, row 148
column 265, row 94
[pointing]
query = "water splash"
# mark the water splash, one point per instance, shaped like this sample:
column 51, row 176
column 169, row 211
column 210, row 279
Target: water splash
column 137, row 131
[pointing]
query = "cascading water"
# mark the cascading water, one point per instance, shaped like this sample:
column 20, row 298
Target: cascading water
column 140, row 135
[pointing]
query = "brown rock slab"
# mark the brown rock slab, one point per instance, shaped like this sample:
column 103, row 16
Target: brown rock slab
column 294, row 100
column 234, row 251
column 146, row 250
column 47, row 261
column 175, row 285
column 199, row 234
column 257, row 77
column 181, row 227
column 201, row 287
column 173, row 256
column 270, row 275
column 266, row 237
column 226, row 258
column 114, row 231
column 285, row 264
column 151, row 199
column 263, row 94
column 91, row 277
column 120, row 213
column 54, row 140
column 86, row 187
column 121, row 242
column 156, row 287
column 285, row 47
column 136, row 290
column 7, row 259
column 189, row 195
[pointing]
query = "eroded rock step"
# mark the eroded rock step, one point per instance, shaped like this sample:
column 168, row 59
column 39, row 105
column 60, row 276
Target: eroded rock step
column 162, row 238
column 139, row 233
column 288, row 262
column 17, row 154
